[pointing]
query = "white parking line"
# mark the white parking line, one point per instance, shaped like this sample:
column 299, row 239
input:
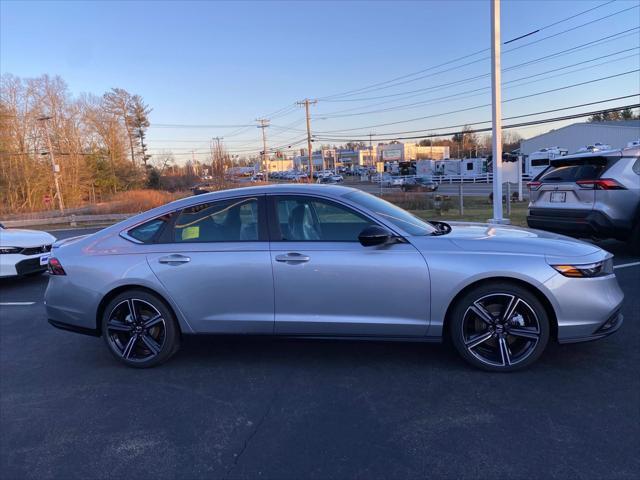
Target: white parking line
column 15, row 304
column 625, row 265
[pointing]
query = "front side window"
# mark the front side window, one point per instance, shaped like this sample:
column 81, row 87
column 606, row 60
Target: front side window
column 303, row 219
column 233, row 220
column 391, row 213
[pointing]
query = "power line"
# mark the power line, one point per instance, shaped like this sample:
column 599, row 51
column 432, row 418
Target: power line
column 385, row 85
column 543, row 58
column 346, row 137
column 180, row 125
column 565, row 87
column 515, row 125
column 458, row 94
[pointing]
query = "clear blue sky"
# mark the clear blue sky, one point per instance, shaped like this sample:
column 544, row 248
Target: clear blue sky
column 228, row 63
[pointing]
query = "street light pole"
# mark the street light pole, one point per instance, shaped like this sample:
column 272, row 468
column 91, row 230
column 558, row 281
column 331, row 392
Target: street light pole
column 496, row 113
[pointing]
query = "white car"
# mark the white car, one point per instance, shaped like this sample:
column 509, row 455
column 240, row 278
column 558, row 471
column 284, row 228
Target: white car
column 23, row 252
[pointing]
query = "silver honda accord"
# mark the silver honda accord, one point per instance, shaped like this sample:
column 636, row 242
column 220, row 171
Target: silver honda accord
column 326, row 261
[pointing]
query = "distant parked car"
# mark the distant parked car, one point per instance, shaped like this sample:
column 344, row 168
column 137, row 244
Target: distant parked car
column 23, row 252
column 590, row 194
column 419, row 184
column 202, row 188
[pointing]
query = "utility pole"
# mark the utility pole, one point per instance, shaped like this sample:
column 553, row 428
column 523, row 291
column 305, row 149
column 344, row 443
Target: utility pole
column 306, row 103
column 264, row 123
column 54, row 167
column 496, row 113
column 371, row 162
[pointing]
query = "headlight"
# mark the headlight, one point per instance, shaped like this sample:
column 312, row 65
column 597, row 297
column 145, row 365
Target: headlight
column 10, row 250
column 586, row 270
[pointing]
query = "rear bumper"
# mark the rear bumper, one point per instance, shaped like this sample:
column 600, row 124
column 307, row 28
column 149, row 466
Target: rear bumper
column 577, row 222
column 74, row 328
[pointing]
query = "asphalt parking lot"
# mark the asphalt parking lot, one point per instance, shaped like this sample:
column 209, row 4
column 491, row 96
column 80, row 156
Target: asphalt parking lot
column 237, row 408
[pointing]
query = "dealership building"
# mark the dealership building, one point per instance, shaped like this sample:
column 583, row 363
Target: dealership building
column 573, row 137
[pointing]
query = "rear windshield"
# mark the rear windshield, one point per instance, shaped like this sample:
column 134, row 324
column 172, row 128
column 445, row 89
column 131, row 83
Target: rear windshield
column 572, row 170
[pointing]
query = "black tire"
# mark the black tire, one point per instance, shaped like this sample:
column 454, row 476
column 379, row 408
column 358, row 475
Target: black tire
column 487, row 340
column 147, row 340
column 634, row 239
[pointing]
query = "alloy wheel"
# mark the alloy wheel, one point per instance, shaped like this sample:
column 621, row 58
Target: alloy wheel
column 500, row 330
column 136, row 330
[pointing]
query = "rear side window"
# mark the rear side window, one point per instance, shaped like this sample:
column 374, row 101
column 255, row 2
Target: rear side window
column 149, row 231
column 577, row 169
column 233, row 220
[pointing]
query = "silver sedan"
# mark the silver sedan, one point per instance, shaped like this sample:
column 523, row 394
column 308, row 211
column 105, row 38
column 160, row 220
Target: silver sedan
column 328, row 261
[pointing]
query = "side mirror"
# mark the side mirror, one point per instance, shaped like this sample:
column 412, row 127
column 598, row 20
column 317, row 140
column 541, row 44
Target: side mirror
column 374, row 235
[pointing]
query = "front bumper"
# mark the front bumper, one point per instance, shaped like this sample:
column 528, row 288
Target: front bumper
column 586, row 308
column 17, row 264
column 615, row 322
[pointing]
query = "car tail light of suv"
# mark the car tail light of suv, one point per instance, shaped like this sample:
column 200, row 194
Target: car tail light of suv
column 534, row 185
column 54, row 267
column 601, row 184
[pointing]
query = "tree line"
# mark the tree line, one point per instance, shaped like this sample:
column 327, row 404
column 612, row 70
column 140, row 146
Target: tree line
column 97, row 142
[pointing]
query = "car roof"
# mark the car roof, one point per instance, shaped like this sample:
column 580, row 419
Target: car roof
column 330, row 190
column 327, row 190
column 626, row 152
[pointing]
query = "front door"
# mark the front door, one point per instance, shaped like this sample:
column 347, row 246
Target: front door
column 216, row 266
column 327, row 283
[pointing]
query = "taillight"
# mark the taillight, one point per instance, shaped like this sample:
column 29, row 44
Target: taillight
column 601, row 184
column 534, row 185
column 54, row 267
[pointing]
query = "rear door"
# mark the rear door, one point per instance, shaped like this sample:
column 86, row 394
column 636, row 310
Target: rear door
column 214, row 261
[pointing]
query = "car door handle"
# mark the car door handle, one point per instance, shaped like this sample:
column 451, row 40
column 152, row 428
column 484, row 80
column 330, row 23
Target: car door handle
column 174, row 259
column 292, row 258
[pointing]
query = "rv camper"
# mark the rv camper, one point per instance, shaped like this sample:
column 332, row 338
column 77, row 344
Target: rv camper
column 472, row 167
column 448, row 167
column 538, row 161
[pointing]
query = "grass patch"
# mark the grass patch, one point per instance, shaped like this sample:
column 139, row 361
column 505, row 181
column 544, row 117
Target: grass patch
column 444, row 207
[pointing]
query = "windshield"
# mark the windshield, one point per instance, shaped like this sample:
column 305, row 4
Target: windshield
column 396, row 215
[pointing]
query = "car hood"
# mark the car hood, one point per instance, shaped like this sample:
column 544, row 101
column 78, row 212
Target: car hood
column 508, row 239
column 15, row 237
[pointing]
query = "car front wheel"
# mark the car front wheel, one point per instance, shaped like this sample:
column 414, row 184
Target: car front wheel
column 499, row 327
column 139, row 329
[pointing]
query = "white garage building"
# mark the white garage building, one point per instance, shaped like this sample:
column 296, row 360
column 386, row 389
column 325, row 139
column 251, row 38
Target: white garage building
column 578, row 135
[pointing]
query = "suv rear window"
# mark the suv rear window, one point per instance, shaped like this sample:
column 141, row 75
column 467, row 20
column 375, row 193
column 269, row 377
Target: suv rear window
column 572, row 170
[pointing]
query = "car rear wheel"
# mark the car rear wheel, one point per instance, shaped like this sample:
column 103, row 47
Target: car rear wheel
column 139, row 329
column 499, row 327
